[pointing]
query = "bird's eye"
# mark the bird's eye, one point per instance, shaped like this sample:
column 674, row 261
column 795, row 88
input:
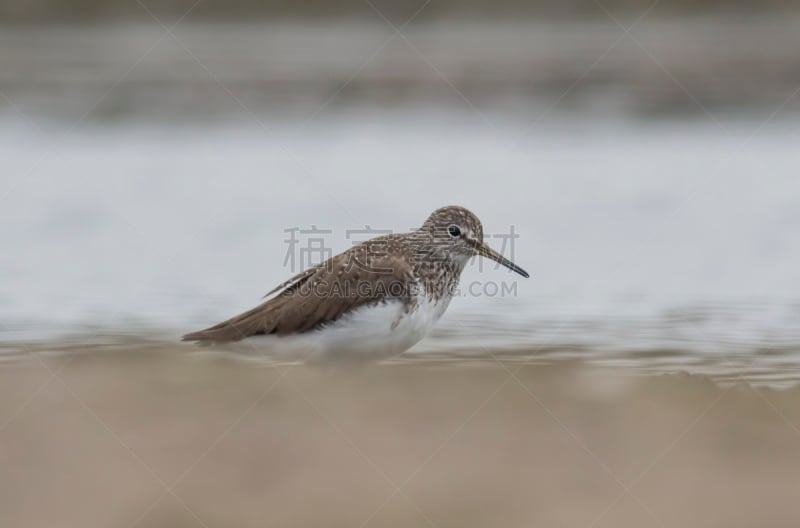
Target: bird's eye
column 454, row 231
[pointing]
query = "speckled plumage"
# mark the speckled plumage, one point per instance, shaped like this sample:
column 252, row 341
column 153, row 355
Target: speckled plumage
column 423, row 265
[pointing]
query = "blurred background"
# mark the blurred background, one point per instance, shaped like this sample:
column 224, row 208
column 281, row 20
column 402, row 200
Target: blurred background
column 159, row 158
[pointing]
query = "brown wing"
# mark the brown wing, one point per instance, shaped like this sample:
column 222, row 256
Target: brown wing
column 295, row 282
column 318, row 296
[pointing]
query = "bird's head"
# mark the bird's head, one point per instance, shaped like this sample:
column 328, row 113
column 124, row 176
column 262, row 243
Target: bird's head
column 456, row 233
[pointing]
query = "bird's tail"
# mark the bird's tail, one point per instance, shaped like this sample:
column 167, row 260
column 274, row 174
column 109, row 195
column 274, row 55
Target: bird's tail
column 258, row 321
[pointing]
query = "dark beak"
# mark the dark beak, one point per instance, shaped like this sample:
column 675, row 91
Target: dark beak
column 485, row 251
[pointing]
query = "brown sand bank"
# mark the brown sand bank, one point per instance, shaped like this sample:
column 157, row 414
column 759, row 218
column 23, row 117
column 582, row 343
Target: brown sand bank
column 165, row 439
column 293, row 71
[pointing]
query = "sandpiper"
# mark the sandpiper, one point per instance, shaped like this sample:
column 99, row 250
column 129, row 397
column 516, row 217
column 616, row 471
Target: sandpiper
column 378, row 298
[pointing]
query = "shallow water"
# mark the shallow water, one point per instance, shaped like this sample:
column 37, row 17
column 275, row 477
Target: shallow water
column 660, row 241
column 657, row 240
column 656, row 236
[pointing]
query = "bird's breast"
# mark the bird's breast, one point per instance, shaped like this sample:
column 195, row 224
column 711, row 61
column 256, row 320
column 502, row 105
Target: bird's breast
column 373, row 331
column 382, row 329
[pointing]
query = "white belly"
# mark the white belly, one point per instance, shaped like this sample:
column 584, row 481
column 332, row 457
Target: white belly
column 375, row 331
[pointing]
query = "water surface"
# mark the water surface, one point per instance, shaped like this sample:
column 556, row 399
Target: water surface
column 150, row 198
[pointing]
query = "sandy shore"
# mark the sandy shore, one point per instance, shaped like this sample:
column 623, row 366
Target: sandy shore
column 164, row 438
column 519, row 67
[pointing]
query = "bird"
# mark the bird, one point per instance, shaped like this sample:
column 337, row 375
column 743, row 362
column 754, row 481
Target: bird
column 376, row 299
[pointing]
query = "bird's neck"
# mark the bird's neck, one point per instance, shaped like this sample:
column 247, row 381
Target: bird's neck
column 435, row 266
column 439, row 277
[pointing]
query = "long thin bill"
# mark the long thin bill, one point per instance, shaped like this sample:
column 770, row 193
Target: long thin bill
column 488, row 252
